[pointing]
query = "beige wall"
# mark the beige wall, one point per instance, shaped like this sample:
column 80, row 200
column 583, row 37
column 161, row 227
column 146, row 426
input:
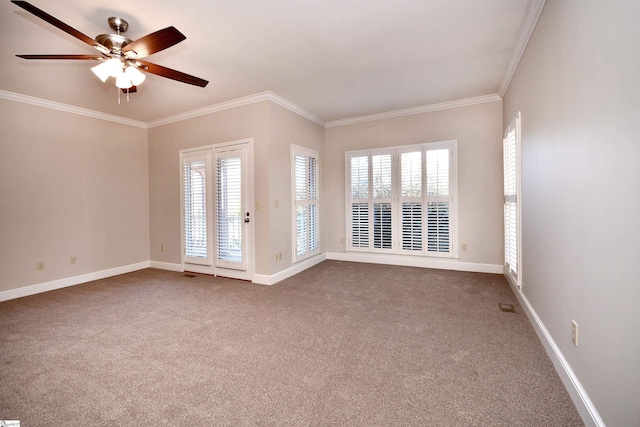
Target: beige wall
column 272, row 128
column 165, row 143
column 99, row 191
column 478, row 130
column 286, row 128
column 69, row 186
column 577, row 87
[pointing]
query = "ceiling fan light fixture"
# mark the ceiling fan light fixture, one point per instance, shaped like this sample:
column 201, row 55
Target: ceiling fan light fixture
column 134, row 75
column 102, row 70
column 120, row 56
column 115, row 67
column 123, row 82
column 109, row 68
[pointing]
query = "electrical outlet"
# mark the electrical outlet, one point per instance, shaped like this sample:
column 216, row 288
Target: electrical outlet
column 342, row 241
column 574, row 332
column 161, row 248
column 278, row 256
column 40, row 265
column 72, row 260
column 464, row 247
column 276, row 203
column 258, row 206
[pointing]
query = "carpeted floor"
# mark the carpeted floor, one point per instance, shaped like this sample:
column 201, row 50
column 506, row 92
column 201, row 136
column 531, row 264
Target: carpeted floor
column 341, row 344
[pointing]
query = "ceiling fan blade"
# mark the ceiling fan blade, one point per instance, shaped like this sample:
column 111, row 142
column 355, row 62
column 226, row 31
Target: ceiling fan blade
column 61, row 57
column 171, row 74
column 154, row 42
column 59, row 24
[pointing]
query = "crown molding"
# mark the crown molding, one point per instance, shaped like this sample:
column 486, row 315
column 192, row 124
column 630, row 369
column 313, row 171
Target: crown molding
column 25, row 99
column 534, row 10
column 227, row 105
column 415, row 110
column 247, row 100
column 296, row 109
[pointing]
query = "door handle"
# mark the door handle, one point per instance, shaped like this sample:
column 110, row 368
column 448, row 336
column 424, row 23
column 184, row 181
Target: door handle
column 247, row 218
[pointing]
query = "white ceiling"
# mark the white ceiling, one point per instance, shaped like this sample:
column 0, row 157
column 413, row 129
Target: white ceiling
column 336, row 59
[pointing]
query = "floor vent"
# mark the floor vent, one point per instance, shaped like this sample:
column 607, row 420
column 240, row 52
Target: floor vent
column 189, row 275
column 507, row 308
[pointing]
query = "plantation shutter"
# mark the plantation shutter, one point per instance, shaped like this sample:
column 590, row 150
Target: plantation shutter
column 438, row 201
column 305, row 178
column 302, row 214
column 511, row 237
column 314, row 225
column 229, row 210
column 411, row 200
column 382, row 198
column 195, row 193
column 403, row 200
column 359, row 191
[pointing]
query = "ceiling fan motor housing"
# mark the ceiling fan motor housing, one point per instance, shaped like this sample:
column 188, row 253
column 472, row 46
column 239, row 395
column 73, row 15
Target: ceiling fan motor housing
column 115, row 42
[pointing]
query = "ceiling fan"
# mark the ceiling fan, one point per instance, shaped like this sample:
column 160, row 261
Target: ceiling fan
column 120, row 57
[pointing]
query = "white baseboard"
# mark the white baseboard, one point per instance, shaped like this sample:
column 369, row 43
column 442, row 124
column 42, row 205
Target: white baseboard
column 585, row 407
column 412, row 261
column 262, row 279
column 166, row 266
column 70, row 281
column 299, row 267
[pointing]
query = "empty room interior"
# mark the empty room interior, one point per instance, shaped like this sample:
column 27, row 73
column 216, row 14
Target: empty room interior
column 320, row 213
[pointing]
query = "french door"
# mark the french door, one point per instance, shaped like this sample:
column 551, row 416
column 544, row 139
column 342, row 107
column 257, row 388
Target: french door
column 231, row 214
column 196, row 214
column 217, row 225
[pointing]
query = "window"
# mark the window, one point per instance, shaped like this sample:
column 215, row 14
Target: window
column 403, row 200
column 196, row 192
column 304, row 178
column 381, row 198
column 512, row 216
column 359, row 173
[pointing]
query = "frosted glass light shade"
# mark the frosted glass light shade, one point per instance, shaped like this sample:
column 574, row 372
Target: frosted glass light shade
column 123, row 82
column 115, row 67
column 134, row 75
column 110, row 68
column 102, row 71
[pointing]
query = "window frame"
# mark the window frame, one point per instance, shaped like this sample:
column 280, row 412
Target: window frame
column 397, row 199
column 515, row 127
column 309, row 250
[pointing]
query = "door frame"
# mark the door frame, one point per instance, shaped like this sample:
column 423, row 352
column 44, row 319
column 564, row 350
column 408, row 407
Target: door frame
column 247, row 146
